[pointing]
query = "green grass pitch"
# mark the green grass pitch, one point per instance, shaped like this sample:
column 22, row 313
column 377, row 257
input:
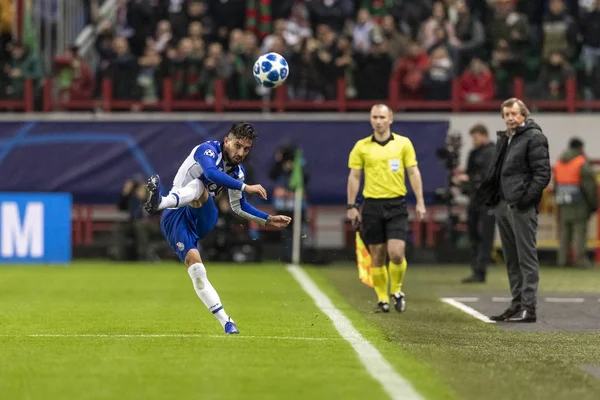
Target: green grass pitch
column 102, row 330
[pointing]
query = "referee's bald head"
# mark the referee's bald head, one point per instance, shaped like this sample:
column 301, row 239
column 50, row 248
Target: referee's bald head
column 381, row 106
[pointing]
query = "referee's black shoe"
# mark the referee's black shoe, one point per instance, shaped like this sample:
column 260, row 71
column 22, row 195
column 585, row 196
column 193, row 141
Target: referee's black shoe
column 382, row 307
column 399, row 302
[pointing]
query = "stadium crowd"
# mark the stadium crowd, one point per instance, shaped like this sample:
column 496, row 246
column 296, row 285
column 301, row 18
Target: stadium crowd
column 426, row 44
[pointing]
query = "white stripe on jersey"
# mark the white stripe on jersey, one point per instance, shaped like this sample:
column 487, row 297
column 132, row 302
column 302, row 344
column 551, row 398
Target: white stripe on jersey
column 188, row 171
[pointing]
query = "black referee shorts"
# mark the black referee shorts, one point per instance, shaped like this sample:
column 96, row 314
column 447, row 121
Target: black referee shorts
column 384, row 219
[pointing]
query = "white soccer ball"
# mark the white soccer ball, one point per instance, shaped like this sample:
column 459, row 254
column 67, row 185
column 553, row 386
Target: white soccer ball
column 271, row 70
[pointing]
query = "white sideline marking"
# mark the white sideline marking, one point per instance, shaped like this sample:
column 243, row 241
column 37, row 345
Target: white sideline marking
column 474, row 313
column 467, row 299
column 165, row 335
column 393, row 384
column 564, row 299
column 501, row 299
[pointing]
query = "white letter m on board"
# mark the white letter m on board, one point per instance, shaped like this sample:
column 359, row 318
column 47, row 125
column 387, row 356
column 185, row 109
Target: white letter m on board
column 26, row 238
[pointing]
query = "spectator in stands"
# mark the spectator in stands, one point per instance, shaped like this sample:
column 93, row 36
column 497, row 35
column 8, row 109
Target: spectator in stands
column 506, row 66
column 298, row 24
column 442, row 39
column 372, row 83
column 123, row 71
column 379, row 9
column 278, row 32
column 6, row 26
column 163, row 36
column 396, row 42
column 230, row 14
column 361, row 32
column 185, row 68
column 242, row 84
column 410, row 15
column 592, row 90
column 429, row 34
column 553, row 77
column 333, row 13
column 324, row 61
column 140, row 17
column 560, row 32
column 149, row 70
column 345, row 65
column 438, row 80
column 411, row 72
column 176, row 14
column 197, row 12
column 305, row 82
column 507, row 24
column 104, row 47
column 195, row 31
column 477, row 83
column 75, row 80
column 590, row 33
column 470, row 35
column 23, row 65
column 136, row 228
column 279, row 47
column 216, row 65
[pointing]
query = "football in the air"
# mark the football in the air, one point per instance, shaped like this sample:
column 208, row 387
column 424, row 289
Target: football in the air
column 271, row 70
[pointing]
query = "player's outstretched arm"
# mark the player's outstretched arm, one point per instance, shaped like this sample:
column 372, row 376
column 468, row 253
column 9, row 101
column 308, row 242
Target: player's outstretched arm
column 206, row 156
column 241, row 207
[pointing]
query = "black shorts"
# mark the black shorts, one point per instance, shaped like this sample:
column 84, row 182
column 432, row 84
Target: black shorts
column 384, row 219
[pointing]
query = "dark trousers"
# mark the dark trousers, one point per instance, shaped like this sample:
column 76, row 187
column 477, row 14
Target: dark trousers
column 481, row 223
column 136, row 232
column 573, row 222
column 518, row 230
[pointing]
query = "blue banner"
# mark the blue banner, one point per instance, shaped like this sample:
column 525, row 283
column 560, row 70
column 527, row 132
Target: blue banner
column 35, row 228
column 91, row 160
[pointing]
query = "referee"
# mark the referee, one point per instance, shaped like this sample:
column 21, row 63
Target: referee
column 383, row 156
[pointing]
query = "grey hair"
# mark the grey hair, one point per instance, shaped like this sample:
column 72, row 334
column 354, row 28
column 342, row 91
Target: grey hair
column 511, row 102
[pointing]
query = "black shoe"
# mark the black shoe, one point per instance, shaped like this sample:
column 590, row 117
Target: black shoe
column 524, row 315
column 474, row 279
column 399, row 302
column 153, row 195
column 382, row 307
column 510, row 311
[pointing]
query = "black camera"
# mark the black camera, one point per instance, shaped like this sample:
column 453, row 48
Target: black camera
column 450, row 153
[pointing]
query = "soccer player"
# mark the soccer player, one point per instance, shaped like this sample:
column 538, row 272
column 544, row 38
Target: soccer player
column 383, row 157
column 190, row 212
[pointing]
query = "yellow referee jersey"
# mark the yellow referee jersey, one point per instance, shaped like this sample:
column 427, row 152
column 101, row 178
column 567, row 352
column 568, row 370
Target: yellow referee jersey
column 383, row 165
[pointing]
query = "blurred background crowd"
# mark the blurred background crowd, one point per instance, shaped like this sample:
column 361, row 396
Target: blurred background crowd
column 426, row 44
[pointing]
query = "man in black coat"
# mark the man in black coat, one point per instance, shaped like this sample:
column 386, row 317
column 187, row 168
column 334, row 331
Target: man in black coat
column 480, row 220
column 514, row 186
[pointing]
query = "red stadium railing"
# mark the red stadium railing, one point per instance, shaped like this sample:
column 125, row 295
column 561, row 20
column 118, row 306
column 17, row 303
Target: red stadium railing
column 281, row 103
column 24, row 104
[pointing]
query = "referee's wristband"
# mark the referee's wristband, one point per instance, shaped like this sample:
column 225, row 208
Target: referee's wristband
column 351, row 206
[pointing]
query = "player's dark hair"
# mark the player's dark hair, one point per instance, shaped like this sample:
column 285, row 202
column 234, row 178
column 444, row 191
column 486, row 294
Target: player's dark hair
column 479, row 128
column 243, row 130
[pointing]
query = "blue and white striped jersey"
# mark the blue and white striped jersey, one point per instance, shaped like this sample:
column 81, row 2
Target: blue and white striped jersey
column 206, row 163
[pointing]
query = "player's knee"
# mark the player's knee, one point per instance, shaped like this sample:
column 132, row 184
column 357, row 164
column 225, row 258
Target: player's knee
column 377, row 255
column 192, row 257
column 396, row 257
column 198, row 274
column 396, row 251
